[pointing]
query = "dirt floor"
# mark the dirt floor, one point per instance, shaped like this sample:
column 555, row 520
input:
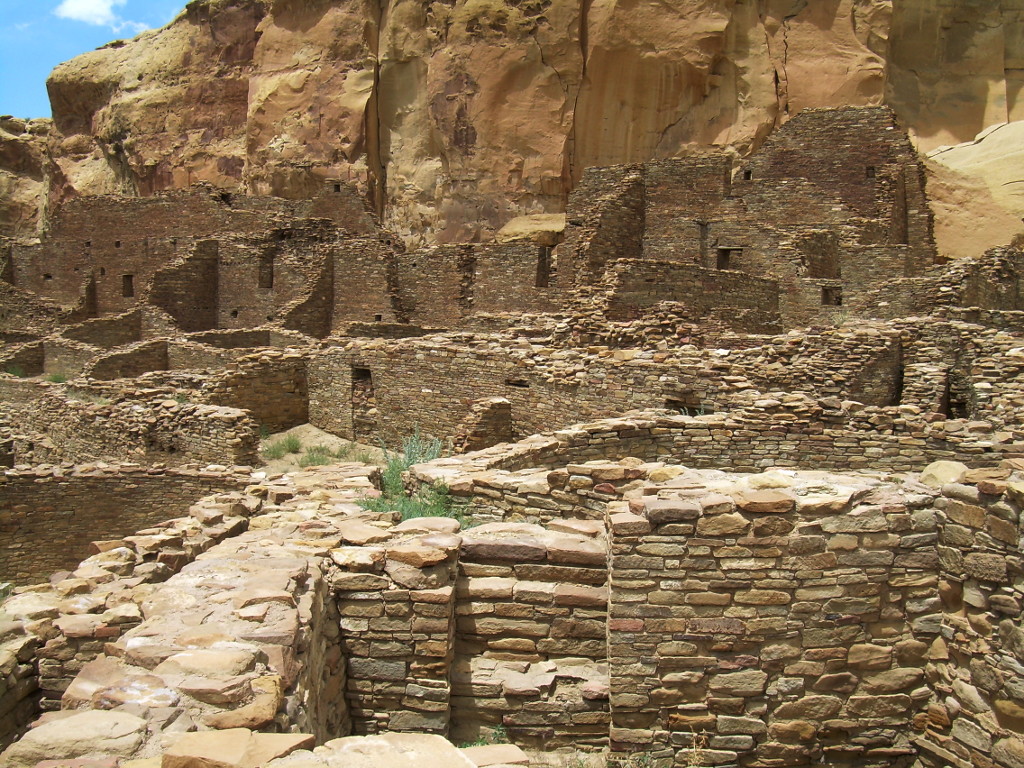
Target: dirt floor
column 306, row 436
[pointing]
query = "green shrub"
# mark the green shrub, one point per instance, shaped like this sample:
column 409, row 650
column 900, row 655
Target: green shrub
column 429, row 501
column 279, row 448
column 15, row 370
column 273, row 451
column 56, row 378
column 496, row 734
column 316, row 456
column 363, row 456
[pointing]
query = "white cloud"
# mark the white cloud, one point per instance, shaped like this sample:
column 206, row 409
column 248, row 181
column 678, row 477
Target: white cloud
column 98, row 12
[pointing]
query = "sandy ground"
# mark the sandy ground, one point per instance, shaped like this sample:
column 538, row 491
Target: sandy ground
column 310, row 436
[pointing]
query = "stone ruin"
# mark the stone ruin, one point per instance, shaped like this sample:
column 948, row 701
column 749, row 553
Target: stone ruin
column 738, row 458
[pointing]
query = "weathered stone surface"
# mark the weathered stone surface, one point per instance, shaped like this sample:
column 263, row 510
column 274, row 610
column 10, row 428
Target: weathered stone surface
column 938, row 473
column 496, row 754
column 768, row 501
column 235, row 748
column 86, row 734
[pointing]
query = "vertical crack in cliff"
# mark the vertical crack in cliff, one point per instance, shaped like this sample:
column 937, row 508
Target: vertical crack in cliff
column 584, row 40
column 375, row 164
column 779, row 69
column 785, row 72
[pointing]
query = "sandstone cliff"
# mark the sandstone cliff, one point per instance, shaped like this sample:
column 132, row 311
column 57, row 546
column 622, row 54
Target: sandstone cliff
column 455, row 116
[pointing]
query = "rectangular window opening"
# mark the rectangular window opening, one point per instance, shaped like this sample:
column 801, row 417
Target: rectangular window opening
column 869, row 172
column 266, row 271
column 543, row 266
column 727, row 258
column 831, row 297
column 688, row 406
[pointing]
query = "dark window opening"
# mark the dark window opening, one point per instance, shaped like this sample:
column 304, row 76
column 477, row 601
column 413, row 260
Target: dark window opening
column 265, row 278
column 518, row 383
column 226, row 198
column 364, row 404
column 88, row 243
column 128, row 285
column 688, row 406
column 543, row 266
column 103, row 271
column 234, row 313
column 727, row 258
column 869, row 172
column 337, row 187
column 897, row 386
column 47, row 276
column 831, row 297
column 748, row 175
column 954, row 404
column 378, row 318
column 117, row 243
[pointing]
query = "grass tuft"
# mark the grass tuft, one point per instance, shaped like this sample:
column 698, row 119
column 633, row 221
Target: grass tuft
column 56, row 378
column 279, row 448
column 429, row 501
column 316, row 456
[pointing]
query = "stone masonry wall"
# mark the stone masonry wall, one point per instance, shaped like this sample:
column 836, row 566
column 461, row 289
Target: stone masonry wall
column 78, row 426
column 49, row 516
column 271, row 385
column 640, row 284
column 977, row 714
column 786, row 620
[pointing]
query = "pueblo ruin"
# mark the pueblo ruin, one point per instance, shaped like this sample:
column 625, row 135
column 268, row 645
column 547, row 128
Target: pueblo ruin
column 698, row 375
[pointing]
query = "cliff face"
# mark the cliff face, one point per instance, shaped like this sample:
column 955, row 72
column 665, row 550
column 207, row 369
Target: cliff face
column 454, row 116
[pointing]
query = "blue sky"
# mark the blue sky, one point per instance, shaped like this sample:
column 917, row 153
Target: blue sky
column 37, row 35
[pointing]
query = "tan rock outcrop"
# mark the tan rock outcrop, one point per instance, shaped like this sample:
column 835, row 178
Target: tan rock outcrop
column 977, row 191
column 22, row 176
column 456, row 118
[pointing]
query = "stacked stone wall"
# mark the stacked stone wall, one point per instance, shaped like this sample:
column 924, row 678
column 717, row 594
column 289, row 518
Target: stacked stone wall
column 187, row 288
column 270, row 385
column 785, row 629
column 107, row 332
column 604, row 221
column 642, row 284
column 362, row 289
column 974, row 664
column 49, row 515
column 80, row 426
column 132, row 361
